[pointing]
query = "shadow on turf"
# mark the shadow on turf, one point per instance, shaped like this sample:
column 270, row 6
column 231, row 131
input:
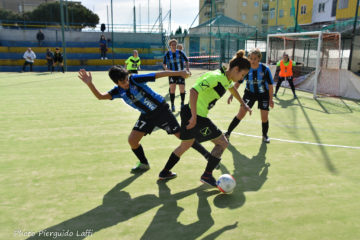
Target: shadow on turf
column 118, row 206
column 323, row 151
column 250, row 175
column 166, row 226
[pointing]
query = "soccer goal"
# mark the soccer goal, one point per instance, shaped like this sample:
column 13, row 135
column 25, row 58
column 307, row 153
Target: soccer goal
column 317, row 55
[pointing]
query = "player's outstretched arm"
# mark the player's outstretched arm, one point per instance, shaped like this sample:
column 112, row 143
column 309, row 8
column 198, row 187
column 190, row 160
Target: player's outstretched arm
column 87, row 79
column 183, row 74
column 236, row 94
column 236, row 86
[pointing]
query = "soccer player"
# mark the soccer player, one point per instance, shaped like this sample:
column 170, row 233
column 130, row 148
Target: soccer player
column 132, row 64
column 259, row 87
column 176, row 60
column 286, row 72
column 58, row 59
column 195, row 125
column 154, row 110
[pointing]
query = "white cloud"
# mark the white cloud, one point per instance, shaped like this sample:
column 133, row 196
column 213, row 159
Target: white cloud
column 183, row 12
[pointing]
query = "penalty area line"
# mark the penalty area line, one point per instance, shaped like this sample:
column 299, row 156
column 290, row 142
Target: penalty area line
column 300, row 142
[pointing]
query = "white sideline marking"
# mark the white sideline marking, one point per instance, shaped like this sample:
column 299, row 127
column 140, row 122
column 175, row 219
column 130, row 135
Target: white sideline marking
column 301, row 142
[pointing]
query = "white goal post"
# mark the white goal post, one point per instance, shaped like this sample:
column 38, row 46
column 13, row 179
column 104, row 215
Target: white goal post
column 319, row 53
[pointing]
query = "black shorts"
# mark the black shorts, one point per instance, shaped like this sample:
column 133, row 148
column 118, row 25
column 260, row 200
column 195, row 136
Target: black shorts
column 163, row 119
column 133, row 71
column 204, row 129
column 59, row 59
column 287, row 78
column 262, row 98
column 177, row 80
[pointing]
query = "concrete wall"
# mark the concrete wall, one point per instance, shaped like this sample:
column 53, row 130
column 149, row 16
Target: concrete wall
column 74, row 36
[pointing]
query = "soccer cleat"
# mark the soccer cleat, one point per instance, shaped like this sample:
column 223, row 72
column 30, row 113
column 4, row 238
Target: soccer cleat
column 275, row 95
column 208, row 179
column 140, row 167
column 173, row 108
column 295, row 96
column 266, row 139
column 167, row 175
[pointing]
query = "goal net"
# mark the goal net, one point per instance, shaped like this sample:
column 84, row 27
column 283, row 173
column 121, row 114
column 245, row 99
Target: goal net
column 317, row 55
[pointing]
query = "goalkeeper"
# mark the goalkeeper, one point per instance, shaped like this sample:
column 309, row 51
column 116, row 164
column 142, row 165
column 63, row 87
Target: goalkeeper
column 286, row 72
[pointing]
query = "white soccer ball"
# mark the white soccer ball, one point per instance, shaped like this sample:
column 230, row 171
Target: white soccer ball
column 226, row 183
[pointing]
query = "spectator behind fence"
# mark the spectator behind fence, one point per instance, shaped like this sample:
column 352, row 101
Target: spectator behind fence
column 29, row 57
column 58, row 60
column 40, row 37
column 49, row 58
column 103, row 47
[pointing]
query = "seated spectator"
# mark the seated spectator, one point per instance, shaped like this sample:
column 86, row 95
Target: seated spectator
column 29, row 57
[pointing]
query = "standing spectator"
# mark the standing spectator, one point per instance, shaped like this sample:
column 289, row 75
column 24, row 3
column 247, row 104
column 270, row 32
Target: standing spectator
column 58, row 59
column 40, row 37
column 103, row 47
column 49, row 58
column 132, row 64
column 29, row 57
column 176, row 60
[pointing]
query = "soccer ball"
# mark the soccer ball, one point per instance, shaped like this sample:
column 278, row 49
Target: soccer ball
column 226, row 183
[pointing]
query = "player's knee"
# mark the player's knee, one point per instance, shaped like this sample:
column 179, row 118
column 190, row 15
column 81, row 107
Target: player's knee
column 133, row 142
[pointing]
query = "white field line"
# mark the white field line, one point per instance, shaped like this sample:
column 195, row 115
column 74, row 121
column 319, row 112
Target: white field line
column 301, row 142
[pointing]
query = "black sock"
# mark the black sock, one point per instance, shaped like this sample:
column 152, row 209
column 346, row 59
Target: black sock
column 212, row 163
column 172, row 98
column 265, row 128
column 173, row 159
column 200, row 148
column 291, row 83
column 277, row 86
column 62, row 68
column 182, row 95
column 52, row 69
column 233, row 125
column 139, row 152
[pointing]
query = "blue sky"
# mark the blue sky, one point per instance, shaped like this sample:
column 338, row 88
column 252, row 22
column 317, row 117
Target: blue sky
column 183, row 11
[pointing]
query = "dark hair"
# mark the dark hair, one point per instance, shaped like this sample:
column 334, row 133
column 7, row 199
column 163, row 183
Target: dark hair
column 118, row 73
column 240, row 61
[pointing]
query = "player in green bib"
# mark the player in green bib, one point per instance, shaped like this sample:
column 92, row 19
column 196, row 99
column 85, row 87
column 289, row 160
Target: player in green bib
column 195, row 125
column 133, row 63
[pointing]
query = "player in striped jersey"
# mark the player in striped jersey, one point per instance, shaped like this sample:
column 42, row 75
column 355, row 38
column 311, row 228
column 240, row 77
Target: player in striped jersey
column 176, row 60
column 154, row 110
column 259, row 87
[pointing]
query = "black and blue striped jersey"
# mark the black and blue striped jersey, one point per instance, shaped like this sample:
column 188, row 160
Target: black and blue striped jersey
column 139, row 95
column 175, row 60
column 258, row 80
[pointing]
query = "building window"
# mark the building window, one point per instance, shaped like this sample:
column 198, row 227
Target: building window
column 292, row 12
column 281, row 13
column 303, row 9
column 243, row 16
column 256, row 4
column 256, row 17
column 321, row 7
column 343, row 4
column 244, row 3
column 272, row 13
column 265, row 7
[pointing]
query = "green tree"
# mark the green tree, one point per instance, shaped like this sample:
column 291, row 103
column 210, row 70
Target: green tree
column 78, row 14
column 178, row 31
